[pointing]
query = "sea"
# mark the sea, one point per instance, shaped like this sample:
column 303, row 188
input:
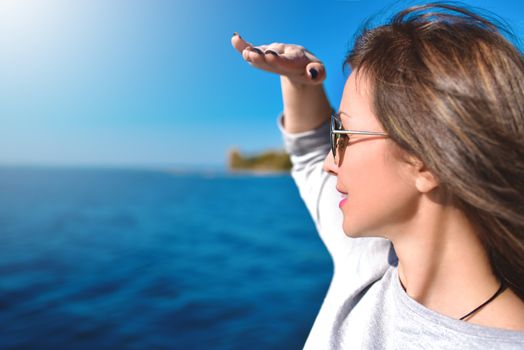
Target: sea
column 102, row 258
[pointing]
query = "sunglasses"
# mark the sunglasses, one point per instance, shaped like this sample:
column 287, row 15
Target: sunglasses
column 340, row 138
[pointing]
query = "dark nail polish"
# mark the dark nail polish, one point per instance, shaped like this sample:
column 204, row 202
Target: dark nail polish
column 271, row 52
column 235, row 33
column 257, row 51
column 313, row 73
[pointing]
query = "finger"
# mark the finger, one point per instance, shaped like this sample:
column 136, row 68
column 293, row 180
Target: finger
column 250, row 53
column 290, row 65
column 267, row 61
column 315, row 72
column 254, row 55
column 239, row 43
column 282, row 64
column 262, row 48
column 277, row 47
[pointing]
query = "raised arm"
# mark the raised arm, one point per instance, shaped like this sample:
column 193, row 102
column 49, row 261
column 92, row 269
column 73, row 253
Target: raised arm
column 305, row 130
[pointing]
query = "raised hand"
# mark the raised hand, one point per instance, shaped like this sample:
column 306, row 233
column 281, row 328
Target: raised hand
column 293, row 61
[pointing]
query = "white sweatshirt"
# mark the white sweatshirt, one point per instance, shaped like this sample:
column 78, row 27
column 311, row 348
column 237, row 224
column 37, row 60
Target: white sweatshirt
column 365, row 306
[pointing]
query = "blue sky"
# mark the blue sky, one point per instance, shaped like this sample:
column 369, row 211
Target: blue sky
column 156, row 83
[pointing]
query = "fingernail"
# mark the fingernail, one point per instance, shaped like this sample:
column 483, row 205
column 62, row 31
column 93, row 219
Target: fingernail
column 235, row 33
column 271, row 52
column 313, row 73
column 257, row 50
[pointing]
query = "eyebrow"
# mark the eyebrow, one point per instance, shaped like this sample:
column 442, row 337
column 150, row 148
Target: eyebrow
column 342, row 112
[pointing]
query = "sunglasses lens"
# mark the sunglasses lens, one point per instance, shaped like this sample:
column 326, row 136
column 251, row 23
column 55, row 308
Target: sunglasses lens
column 341, row 144
column 335, row 125
column 334, row 144
column 338, row 141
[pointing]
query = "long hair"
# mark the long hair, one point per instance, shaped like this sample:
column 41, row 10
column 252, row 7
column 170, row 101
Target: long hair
column 448, row 88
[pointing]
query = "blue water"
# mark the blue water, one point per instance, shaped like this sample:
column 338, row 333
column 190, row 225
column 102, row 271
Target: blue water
column 129, row 259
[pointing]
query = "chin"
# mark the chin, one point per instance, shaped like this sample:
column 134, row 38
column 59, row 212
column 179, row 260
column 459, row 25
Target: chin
column 356, row 232
column 351, row 232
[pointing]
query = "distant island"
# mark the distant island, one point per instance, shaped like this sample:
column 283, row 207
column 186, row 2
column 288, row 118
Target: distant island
column 265, row 162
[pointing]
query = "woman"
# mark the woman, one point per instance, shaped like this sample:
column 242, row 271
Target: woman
column 430, row 178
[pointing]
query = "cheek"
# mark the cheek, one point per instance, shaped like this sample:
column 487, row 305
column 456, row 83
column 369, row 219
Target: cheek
column 379, row 193
column 365, row 168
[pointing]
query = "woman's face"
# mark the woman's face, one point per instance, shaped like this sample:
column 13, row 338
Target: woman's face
column 381, row 194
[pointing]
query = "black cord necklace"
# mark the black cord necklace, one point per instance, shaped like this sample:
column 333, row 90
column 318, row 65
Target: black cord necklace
column 497, row 293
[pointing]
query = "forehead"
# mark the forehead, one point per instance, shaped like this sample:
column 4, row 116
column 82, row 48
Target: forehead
column 355, row 105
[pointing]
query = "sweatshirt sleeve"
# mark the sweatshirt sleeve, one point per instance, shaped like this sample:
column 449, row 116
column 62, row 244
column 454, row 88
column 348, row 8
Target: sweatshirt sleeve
column 317, row 187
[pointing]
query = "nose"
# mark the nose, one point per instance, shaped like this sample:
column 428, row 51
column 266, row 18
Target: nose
column 329, row 164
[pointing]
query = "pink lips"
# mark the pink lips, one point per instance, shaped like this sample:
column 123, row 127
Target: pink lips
column 344, row 197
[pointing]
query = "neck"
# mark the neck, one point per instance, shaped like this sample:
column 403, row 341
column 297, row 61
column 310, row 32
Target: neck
column 442, row 263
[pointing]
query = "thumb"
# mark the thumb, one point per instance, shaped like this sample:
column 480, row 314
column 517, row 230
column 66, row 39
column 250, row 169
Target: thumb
column 315, row 72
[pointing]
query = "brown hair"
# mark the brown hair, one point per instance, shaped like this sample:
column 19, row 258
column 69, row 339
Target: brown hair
column 448, row 88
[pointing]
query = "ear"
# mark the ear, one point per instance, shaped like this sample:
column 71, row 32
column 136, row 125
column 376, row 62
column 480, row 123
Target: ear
column 424, row 179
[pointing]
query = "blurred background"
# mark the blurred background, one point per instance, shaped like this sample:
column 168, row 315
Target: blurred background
column 121, row 226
